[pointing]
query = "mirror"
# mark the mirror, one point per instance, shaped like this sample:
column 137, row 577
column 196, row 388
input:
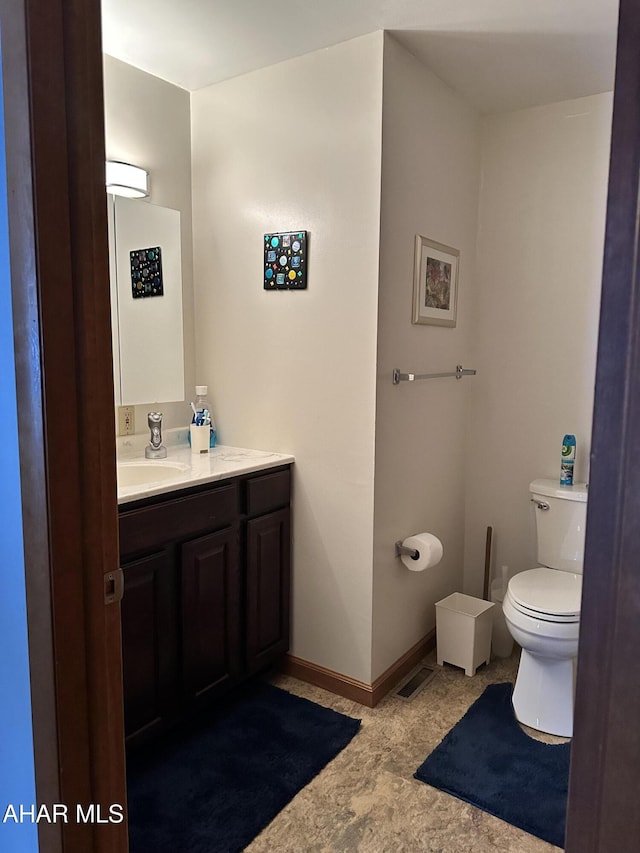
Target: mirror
column 145, row 268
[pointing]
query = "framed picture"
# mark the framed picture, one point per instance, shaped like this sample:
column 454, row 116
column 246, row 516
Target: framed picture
column 435, row 283
column 285, row 261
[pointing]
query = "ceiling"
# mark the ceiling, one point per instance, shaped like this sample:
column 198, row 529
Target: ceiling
column 499, row 54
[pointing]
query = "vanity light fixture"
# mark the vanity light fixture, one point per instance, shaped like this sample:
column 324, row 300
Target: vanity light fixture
column 125, row 179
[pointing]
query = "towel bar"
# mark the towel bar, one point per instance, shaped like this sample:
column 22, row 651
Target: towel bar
column 459, row 372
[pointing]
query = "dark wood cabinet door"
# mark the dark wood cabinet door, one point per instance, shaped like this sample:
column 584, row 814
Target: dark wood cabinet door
column 148, row 643
column 268, row 572
column 210, row 617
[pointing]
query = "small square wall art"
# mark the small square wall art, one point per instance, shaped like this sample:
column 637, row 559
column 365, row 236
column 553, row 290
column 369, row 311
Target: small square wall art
column 146, row 272
column 435, row 283
column 285, row 261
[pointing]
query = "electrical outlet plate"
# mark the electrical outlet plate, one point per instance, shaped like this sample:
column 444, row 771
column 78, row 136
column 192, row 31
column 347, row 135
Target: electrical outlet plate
column 126, row 420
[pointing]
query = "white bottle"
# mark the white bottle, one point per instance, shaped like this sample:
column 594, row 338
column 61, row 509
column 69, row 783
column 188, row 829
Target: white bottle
column 203, row 411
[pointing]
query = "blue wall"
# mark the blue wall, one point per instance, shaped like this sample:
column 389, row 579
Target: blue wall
column 17, row 775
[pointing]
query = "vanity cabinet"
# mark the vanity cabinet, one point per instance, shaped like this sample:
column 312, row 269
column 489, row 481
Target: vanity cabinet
column 206, row 595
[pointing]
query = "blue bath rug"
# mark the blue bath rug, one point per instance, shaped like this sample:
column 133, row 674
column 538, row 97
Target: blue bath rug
column 213, row 788
column 488, row 761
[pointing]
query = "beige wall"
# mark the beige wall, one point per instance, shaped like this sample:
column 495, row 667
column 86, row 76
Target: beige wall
column 297, row 146
column 430, row 175
column 147, row 123
column 319, row 143
column 540, row 243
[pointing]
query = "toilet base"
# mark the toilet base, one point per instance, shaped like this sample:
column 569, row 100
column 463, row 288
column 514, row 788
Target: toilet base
column 543, row 694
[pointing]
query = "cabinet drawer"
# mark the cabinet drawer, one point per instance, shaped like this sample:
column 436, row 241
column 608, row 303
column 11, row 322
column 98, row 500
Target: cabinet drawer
column 267, row 492
column 179, row 518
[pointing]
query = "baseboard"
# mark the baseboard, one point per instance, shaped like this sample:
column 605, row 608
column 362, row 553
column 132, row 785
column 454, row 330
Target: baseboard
column 390, row 677
column 342, row 685
column 328, row 679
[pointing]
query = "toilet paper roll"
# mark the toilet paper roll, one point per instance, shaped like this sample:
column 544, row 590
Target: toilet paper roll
column 430, row 549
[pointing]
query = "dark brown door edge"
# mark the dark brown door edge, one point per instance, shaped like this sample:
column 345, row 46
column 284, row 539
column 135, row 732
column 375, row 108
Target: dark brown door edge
column 52, row 69
column 603, row 813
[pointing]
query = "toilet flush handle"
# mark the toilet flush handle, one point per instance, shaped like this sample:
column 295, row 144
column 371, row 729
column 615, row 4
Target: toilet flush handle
column 543, row 505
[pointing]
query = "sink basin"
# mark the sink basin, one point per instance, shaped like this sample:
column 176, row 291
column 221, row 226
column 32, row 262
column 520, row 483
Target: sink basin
column 144, row 473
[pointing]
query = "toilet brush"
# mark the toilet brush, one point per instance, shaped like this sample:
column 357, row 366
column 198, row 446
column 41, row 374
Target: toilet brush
column 487, row 564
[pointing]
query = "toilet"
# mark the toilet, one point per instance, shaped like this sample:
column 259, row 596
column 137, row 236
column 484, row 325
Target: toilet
column 542, row 610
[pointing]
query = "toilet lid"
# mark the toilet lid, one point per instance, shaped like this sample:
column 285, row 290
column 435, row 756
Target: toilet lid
column 548, row 592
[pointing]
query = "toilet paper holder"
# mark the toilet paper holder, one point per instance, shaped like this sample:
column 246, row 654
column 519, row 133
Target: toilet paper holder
column 409, row 552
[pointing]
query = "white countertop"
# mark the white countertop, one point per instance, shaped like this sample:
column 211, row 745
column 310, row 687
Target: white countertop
column 219, row 463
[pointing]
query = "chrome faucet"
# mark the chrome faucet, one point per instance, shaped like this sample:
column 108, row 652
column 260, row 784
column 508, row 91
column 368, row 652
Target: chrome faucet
column 155, row 449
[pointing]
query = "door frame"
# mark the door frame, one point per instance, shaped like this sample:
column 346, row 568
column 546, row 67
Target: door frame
column 605, row 763
column 52, row 69
column 53, row 88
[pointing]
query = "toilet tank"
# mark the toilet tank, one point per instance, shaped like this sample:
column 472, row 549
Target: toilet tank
column 560, row 528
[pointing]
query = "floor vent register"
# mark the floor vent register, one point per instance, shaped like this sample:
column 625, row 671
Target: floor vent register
column 414, row 682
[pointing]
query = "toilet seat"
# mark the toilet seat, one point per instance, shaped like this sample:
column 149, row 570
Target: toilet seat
column 536, row 629
column 546, row 594
column 544, row 617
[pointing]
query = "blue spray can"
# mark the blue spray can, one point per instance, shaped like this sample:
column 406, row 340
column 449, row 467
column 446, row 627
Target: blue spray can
column 568, row 460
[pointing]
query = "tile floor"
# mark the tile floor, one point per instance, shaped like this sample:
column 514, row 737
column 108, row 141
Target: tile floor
column 367, row 800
